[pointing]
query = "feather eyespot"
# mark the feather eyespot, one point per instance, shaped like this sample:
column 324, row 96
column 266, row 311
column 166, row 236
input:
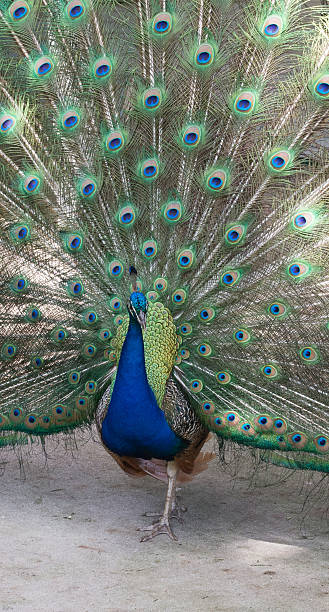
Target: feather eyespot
column 89, row 351
column 31, row 421
column 149, row 169
column 43, row 66
column 223, row 377
column 19, row 284
column 110, row 355
column 115, row 141
column 179, row 296
column 279, row 160
column 102, row 68
column 231, row 418
column 152, row 98
column 59, row 334
column 208, row 407
column 196, row 385
column 216, row 180
column 309, row 354
column 75, row 288
column 91, row 387
column 74, row 377
column 270, row 371
column 82, row 403
column 235, row 234
column 75, row 10
column 126, row 216
column 303, row 220
column 191, row 136
column 37, row 362
column 160, row 284
column 19, row 10
column 264, row 422
column 204, row 350
column 104, row 335
column 162, row 24
column 20, row 233
column 7, row 123
column 3, row 421
column 322, row 443
column 244, row 103
column 204, row 55
column 280, row 426
column 89, row 317
column 31, row 184
column 185, row 259
column 247, row 429
column 217, row 422
column 207, row 314
column 185, row 329
column 173, row 211
column 73, row 242
column 115, row 304
column 16, row 415
column 242, row 336
column 33, row 315
column 70, row 120
column 298, row 270
column 230, row 278
column 184, row 353
column 277, row 309
column 272, row 26
column 149, row 249
column 8, row 350
column 115, row 269
column 118, row 320
column 59, row 412
column 321, row 87
column 88, row 188
column 152, row 296
column 297, row 439
column 44, row 421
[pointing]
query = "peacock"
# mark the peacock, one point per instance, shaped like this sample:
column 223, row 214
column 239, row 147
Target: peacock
column 164, row 230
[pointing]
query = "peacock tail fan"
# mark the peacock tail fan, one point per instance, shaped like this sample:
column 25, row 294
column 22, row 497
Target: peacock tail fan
column 188, row 139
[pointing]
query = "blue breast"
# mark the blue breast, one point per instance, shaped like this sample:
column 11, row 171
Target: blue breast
column 134, row 425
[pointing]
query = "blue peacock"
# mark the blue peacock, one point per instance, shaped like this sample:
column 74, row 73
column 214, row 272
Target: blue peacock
column 164, row 248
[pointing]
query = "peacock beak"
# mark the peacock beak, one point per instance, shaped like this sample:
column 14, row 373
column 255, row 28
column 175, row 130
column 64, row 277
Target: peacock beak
column 142, row 319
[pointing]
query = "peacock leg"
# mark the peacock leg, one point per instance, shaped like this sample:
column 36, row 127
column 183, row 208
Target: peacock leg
column 163, row 525
column 176, row 512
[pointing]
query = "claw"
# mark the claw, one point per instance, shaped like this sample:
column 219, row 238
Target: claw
column 158, row 528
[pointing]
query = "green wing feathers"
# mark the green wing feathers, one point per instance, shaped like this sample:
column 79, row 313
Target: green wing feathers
column 190, row 140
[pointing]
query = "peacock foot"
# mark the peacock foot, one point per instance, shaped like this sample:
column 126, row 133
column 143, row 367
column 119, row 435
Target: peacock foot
column 157, row 528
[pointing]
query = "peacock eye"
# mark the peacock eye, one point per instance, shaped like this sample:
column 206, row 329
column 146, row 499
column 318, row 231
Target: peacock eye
column 115, row 141
column 162, row 24
column 204, row 55
column 19, row 10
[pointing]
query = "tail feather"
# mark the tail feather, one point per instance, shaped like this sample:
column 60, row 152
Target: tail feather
column 187, row 139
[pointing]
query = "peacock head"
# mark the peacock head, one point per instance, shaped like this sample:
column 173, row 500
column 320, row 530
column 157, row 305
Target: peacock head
column 137, row 307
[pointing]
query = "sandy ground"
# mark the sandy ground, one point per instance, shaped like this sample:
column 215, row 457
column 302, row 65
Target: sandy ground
column 68, row 541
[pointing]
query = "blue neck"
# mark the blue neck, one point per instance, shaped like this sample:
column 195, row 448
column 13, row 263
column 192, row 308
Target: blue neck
column 134, row 425
column 131, row 369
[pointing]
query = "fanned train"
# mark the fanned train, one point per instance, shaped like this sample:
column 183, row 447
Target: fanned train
column 172, row 156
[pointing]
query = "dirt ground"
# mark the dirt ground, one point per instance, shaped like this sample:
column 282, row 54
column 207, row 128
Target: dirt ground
column 68, row 540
